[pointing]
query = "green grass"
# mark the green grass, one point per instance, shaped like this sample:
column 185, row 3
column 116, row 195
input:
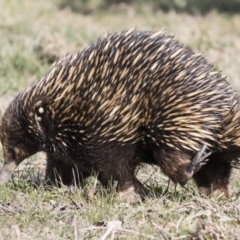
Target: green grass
column 33, row 34
column 35, row 213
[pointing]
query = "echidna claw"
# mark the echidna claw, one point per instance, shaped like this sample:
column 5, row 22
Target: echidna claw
column 199, row 160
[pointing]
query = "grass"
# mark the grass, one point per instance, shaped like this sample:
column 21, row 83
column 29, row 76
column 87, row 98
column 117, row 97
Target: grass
column 33, row 34
column 66, row 213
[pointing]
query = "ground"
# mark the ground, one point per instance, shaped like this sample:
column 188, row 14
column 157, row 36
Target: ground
column 33, row 34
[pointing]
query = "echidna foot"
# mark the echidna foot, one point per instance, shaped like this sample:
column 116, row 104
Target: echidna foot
column 220, row 192
column 196, row 164
column 199, row 160
column 133, row 194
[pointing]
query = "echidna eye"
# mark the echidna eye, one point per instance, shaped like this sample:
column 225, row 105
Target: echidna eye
column 41, row 110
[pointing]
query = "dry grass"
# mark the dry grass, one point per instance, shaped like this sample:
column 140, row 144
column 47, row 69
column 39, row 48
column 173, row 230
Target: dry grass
column 33, row 34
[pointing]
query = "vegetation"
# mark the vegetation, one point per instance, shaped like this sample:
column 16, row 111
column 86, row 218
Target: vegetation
column 33, row 34
column 189, row 6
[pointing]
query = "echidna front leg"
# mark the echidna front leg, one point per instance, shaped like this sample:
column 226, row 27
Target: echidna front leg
column 117, row 166
column 61, row 171
column 132, row 192
column 129, row 188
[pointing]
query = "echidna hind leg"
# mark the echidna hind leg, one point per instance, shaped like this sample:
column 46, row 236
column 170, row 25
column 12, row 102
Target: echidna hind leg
column 199, row 160
column 214, row 176
column 174, row 163
column 62, row 172
column 180, row 166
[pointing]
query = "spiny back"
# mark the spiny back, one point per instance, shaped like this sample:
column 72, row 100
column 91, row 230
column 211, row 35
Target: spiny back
column 128, row 81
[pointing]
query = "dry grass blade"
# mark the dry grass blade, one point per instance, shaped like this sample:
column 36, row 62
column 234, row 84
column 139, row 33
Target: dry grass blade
column 160, row 230
column 112, row 226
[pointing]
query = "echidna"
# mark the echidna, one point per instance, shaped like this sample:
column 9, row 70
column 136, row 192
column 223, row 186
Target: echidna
column 127, row 98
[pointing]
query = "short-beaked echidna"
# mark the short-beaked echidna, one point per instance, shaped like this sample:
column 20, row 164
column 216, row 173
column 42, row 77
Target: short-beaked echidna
column 127, row 98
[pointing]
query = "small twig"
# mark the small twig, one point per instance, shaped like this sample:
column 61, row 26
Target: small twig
column 160, row 230
column 110, row 229
column 91, row 228
column 118, row 230
column 113, row 234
